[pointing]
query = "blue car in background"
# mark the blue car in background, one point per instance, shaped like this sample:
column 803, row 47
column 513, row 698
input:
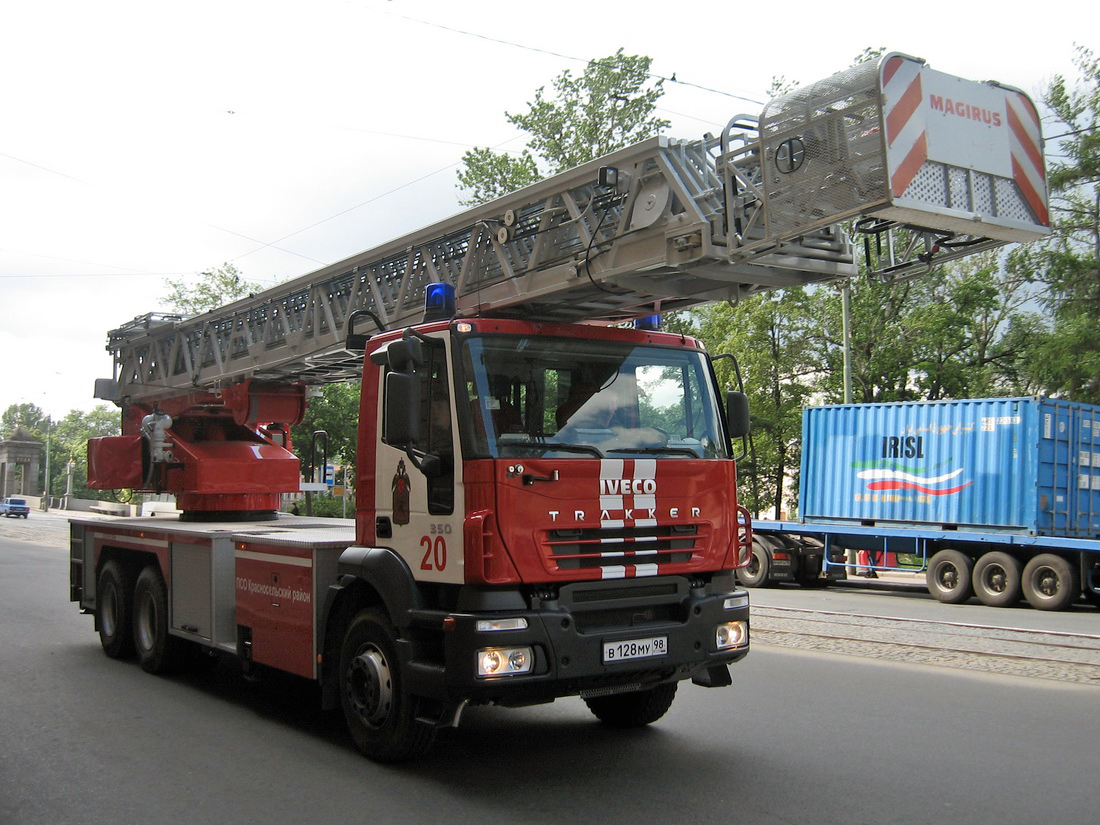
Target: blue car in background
column 14, row 508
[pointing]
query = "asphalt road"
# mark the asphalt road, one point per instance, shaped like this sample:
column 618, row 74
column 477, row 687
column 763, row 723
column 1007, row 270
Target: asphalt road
column 800, row 737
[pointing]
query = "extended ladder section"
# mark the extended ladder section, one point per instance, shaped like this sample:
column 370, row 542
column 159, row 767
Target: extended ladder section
column 925, row 166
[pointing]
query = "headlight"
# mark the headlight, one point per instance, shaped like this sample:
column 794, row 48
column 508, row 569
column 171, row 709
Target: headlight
column 731, row 635
column 504, row 661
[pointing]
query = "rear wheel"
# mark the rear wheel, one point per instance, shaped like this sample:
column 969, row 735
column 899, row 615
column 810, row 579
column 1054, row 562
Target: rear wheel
column 1050, row 582
column 633, row 710
column 157, row 650
column 114, row 599
column 949, row 575
column 997, row 579
column 380, row 714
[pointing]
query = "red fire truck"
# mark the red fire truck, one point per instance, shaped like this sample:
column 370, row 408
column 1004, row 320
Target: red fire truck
column 545, row 501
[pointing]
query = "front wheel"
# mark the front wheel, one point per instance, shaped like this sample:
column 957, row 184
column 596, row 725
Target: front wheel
column 949, row 575
column 1050, row 582
column 633, row 710
column 380, row 715
column 755, row 573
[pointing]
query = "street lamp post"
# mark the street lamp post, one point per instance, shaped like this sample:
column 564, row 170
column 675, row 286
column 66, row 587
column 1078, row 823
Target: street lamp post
column 49, row 426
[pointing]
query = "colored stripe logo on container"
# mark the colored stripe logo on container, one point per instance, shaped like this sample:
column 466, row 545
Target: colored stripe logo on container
column 891, row 479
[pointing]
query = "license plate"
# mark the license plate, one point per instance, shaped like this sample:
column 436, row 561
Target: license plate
column 635, row 649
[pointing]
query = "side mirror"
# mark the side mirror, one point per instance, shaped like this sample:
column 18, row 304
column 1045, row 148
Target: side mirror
column 737, row 414
column 402, row 409
column 405, row 355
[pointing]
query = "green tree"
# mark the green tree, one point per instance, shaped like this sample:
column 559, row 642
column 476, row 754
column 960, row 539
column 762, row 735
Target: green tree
column 335, row 410
column 880, row 345
column 69, row 443
column 30, row 416
column 487, row 175
column 1066, row 356
column 969, row 331
column 208, row 290
column 608, row 107
column 959, row 331
column 769, row 335
column 63, row 441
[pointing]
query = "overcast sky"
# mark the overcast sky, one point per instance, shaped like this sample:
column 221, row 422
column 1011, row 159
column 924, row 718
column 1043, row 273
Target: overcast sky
column 154, row 139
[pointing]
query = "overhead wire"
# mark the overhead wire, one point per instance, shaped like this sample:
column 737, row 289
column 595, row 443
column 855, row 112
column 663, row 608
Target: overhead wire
column 551, row 53
column 500, row 41
column 274, row 244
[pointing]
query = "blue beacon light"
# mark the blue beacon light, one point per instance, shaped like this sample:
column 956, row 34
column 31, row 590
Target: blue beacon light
column 439, row 302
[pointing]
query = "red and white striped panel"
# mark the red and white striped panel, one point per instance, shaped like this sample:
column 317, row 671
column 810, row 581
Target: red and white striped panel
column 905, row 133
column 1025, row 146
column 627, row 510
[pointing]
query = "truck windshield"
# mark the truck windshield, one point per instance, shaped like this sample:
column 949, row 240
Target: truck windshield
column 544, row 396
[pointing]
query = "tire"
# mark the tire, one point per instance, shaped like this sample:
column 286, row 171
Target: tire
column 114, row 602
column 949, row 576
column 157, row 650
column 380, row 714
column 633, row 710
column 996, row 579
column 755, row 574
column 1050, row 583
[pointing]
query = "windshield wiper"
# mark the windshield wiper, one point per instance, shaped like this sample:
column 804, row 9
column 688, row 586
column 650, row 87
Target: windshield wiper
column 570, row 448
column 657, row 450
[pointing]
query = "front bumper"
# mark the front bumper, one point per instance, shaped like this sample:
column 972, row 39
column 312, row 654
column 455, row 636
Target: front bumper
column 567, row 635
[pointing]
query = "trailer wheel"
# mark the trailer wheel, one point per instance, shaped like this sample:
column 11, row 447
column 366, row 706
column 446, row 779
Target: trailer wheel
column 1050, row 583
column 114, row 602
column 949, row 575
column 997, row 579
column 633, row 710
column 380, row 714
column 158, row 651
column 755, row 573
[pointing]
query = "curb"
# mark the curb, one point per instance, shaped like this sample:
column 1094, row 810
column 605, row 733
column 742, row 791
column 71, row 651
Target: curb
column 884, row 582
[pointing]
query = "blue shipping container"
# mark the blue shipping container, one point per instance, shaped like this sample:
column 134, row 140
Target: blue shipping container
column 1026, row 465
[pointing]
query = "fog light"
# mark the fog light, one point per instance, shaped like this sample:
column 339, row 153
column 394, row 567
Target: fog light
column 504, row 661
column 731, row 635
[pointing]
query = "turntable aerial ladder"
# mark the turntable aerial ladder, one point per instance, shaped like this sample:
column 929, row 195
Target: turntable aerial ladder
column 885, row 146
column 546, row 501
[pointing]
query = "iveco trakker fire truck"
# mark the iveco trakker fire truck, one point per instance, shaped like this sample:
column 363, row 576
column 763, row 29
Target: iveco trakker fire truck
column 545, row 499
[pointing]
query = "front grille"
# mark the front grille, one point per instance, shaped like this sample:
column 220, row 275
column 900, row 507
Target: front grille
column 614, row 548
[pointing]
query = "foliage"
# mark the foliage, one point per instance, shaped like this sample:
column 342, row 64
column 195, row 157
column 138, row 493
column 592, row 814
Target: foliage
column 325, row 505
column 1079, row 110
column 208, row 290
column 70, row 443
column 608, row 107
column 336, row 411
column 1066, row 356
column 67, row 440
column 770, row 336
column 960, row 331
column 487, row 175
column 29, row 415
